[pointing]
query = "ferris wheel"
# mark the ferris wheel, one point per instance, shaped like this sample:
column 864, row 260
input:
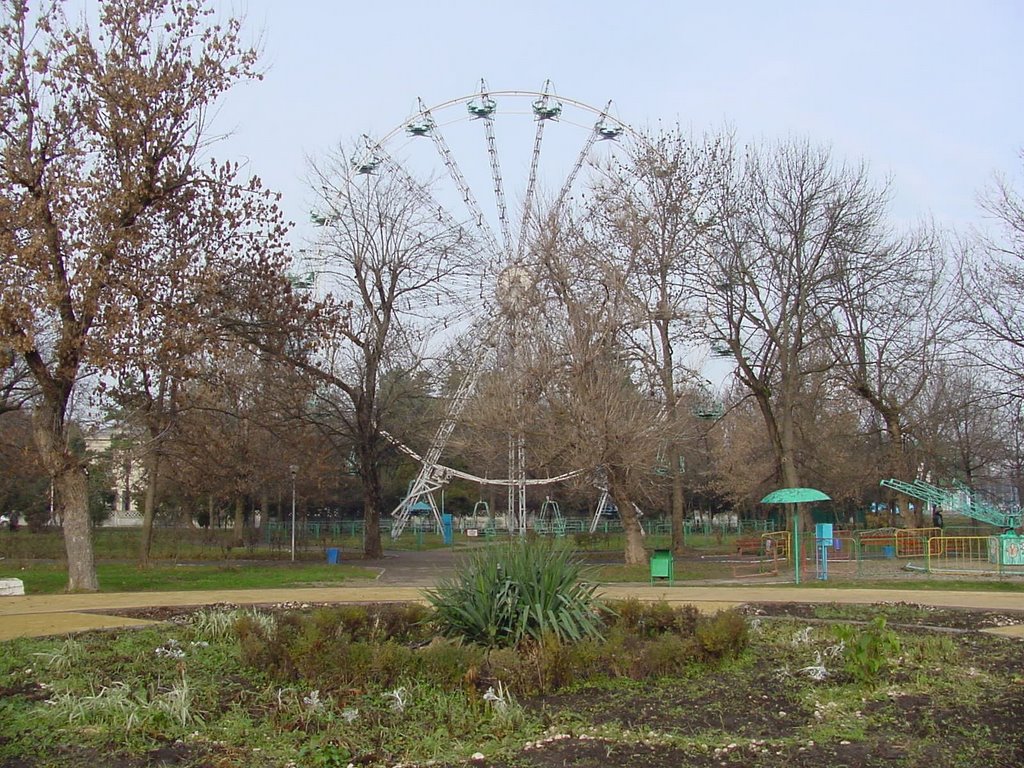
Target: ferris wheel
column 492, row 158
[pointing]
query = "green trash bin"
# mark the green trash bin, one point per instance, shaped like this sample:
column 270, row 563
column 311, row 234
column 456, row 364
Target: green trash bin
column 662, row 565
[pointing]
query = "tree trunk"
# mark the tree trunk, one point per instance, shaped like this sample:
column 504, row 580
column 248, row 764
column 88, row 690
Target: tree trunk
column 672, row 451
column 263, row 510
column 369, row 475
column 635, row 553
column 73, row 492
column 71, row 486
column 149, row 507
column 239, row 523
column 678, row 507
column 372, row 502
column 900, row 466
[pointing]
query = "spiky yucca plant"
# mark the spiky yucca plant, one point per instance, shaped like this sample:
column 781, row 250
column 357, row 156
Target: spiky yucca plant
column 507, row 593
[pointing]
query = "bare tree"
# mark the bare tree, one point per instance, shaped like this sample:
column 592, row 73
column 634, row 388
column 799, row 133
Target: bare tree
column 993, row 276
column 239, row 424
column 1013, row 419
column 395, row 267
column 966, row 434
column 599, row 416
column 209, row 281
column 654, row 211
column 894, row 322
column 789, row 217
column 102, row 134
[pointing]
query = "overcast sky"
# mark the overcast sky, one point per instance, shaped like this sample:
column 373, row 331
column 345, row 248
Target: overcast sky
column 928, row 93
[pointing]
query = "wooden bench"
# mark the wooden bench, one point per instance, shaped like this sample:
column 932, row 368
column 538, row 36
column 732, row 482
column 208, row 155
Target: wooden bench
column 750, row 545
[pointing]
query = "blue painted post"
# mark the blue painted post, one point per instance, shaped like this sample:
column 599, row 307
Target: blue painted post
column 824, row 540
column 796, row 545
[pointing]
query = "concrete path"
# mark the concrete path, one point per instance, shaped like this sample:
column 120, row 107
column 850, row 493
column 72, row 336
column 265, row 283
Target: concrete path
column 40, row 615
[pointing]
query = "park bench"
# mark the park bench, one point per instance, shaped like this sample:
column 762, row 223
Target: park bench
column 750, row 545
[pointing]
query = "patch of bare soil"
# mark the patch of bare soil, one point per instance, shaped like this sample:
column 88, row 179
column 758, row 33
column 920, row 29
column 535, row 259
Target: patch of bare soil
column 751, row 716
column 168, row 756
column 752, row 707
column 600, row 753
column 754, row 718
column 900, row 614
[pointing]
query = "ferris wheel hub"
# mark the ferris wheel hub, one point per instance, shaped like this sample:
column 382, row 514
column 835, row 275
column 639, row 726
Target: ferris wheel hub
column 514, row 284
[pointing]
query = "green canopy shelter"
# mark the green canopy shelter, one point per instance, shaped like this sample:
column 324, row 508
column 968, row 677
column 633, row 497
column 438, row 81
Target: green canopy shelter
column 795, row 496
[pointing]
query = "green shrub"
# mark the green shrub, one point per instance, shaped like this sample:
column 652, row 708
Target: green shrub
column 723, row 636
column 540, row 668
column 401, row 622
column 266, row 649
column 868, row 650
column 505, row 594
column 319, row 648
column 618, row 651
column 383, row 663
column 449, row 664
column 653, row 619
column 667, row 654
column 508, row 666
column 553, row 663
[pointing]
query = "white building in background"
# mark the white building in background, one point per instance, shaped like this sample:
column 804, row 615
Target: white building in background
column 127, row 478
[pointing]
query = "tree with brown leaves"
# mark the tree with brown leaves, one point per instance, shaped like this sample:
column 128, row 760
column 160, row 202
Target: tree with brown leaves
column 102, row 139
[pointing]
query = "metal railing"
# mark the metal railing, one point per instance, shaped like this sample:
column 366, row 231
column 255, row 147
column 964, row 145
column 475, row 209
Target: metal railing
column 1001, row 555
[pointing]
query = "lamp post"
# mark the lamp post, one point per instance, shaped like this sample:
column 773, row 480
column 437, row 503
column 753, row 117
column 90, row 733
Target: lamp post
column 294, row 470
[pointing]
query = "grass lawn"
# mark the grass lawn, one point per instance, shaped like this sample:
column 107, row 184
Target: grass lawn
column 47, row 578
column 614, row 573
column 922, row 583
column 200, row 544
column 721, row 574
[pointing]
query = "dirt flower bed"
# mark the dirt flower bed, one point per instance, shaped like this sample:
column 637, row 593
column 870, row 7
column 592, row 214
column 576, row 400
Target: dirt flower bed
column 290, row 686
column 904, row 614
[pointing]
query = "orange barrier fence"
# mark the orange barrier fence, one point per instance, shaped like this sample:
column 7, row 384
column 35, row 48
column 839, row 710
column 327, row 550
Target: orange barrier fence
column 1002, row 554
column 911, row 542
column 777, row 544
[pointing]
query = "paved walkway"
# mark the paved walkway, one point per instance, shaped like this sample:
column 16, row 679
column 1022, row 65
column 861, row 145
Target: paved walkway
column 406, row 575
column 40, row 615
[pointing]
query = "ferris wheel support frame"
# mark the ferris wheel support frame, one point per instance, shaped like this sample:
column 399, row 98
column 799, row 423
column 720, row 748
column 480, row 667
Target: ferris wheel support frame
column 602, row 502
column 546, row 106
column 431, row 477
